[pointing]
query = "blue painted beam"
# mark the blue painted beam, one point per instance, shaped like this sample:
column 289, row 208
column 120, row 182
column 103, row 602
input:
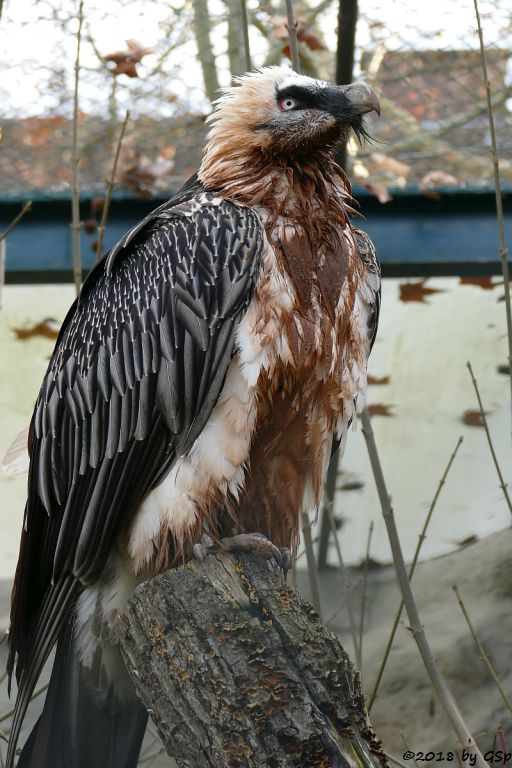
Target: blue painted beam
column 414, row 235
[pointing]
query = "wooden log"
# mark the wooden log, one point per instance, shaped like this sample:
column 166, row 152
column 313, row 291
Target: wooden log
column 237, row 670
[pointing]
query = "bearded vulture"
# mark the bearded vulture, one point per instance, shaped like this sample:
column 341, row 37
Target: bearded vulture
column 197, row 385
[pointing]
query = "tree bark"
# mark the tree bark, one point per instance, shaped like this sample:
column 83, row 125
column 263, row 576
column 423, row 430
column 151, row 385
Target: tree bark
column 347, row 23
column 236, row 670
column 201, row 25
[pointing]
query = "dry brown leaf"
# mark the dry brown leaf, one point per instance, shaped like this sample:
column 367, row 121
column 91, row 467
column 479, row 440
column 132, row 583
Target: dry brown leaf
column 49, row 328
column 438, row 178
column 376, row 381
column 385, row 163
column 377, row 188
column 125, row 61
column 416, row 292
column 486, row 283
column 305, row 33
column 379, row 409
column 473, row 418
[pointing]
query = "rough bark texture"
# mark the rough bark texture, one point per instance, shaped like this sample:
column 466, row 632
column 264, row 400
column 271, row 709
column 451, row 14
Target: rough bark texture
column 237, row 671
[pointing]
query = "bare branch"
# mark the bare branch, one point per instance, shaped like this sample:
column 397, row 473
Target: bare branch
column 26, row 208
column 245, row 31
column 75, row 160
column 421, row 539
column 292, row 34
column 363, row 594
column 489, row 439
column 436, row 677
column 497, row 189
column 485, row 658
column 110, row 188
column 310, row 557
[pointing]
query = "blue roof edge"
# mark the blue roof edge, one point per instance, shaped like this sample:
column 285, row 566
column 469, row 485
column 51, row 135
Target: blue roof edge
column 38, row 195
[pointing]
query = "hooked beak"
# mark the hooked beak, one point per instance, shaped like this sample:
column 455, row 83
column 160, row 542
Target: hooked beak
column 362, row 98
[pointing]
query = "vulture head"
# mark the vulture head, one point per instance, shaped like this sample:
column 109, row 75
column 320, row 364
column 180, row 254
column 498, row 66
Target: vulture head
column 273, row 118
column 276, row 111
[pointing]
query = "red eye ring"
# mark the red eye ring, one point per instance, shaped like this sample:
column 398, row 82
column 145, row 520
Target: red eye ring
column 287, row 104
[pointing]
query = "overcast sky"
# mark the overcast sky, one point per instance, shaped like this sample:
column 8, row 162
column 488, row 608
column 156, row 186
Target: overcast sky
column 32, row 46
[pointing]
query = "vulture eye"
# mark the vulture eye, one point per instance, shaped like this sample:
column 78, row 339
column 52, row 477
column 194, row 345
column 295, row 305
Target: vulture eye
column 285, row 105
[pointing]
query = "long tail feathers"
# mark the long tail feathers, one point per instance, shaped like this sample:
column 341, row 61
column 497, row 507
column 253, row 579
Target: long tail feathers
column 76, row 729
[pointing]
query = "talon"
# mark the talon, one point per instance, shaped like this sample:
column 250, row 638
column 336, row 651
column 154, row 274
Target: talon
column 206, row 541
column 260, row 545
column 286, row 561
column 206, row 546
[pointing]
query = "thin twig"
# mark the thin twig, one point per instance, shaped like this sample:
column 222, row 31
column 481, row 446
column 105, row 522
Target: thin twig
column 75, row 160
column 421, row 539
column 312, row 569
column 485, row 658
column 436, row 677
column 26, row 208
column 292, row 35
column 495, row 737
column 346, row 583
column 110, row 188
column 10, row 712
column 407, row 747
column 301, row 554
column 245, row 32
column 489, row 440
column 363, row 593
column 339, row 605
column 396, row 761
column 497, row 190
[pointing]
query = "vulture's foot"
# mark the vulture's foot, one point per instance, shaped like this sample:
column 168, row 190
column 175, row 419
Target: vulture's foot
column 246, row 542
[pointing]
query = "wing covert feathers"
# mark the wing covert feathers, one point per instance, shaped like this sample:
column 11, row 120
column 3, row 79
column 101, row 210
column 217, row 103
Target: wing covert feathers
column 136, row 372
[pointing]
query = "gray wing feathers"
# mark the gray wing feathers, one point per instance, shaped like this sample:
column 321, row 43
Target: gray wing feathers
column 136, row 372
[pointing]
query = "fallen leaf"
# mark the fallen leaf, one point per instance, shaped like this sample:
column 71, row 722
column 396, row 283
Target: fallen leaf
column 416, row 291
column 376, row 381
column 504, row 369
column 485, row 283
column 467, row 541
column 377, row 188
column 473, row 418
column 379, row 409
column 49, row 328
column 385, row 163
column 438, row 178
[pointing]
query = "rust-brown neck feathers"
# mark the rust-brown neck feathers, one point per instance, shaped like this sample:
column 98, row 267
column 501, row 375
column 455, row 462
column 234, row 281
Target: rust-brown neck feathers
column 243, row 162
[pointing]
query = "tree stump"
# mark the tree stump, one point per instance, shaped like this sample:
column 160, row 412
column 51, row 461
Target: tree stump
column 236, row 670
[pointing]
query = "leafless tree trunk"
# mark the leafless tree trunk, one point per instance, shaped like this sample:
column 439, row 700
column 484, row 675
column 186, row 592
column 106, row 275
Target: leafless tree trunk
column 205, row 52
column 237, row 671
column 235, row 38
column 347, row 23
